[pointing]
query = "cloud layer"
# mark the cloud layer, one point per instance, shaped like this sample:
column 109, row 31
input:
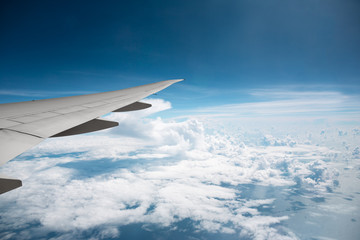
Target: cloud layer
column 160, row 173
column 285, row 104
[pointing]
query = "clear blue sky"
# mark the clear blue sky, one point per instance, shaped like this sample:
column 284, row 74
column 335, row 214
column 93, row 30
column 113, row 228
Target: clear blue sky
column 93, row 46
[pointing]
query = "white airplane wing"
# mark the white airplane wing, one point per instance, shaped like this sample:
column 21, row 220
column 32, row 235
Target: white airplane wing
column 25, row 124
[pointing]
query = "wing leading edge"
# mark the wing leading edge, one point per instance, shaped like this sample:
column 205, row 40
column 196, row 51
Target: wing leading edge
column 25, row 124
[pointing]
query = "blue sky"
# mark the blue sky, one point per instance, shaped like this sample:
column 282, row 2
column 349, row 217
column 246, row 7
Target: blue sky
column 69, row 47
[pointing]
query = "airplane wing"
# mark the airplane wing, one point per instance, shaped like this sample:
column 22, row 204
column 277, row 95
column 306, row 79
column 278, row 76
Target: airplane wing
column 25, row 124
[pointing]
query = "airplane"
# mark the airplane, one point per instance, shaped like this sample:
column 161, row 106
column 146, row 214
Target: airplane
column 25, row 124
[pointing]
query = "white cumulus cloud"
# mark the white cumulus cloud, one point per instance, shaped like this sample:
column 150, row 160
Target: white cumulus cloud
column 174, row 171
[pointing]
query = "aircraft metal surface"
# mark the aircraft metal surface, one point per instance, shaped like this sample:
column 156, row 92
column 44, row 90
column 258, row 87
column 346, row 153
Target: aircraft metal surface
column 25, row 124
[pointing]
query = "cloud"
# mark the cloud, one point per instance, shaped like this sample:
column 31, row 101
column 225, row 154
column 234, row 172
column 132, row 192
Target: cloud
column 282, row 104
column 169, row 172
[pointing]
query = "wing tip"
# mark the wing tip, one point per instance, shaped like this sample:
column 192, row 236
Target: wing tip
column 172, row 81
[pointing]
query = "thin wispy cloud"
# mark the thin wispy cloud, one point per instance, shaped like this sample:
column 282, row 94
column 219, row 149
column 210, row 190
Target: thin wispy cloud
column 281, row 103
column 283, row 93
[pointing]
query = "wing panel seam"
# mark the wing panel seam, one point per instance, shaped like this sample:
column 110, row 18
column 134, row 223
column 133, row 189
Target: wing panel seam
column 33, row 135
